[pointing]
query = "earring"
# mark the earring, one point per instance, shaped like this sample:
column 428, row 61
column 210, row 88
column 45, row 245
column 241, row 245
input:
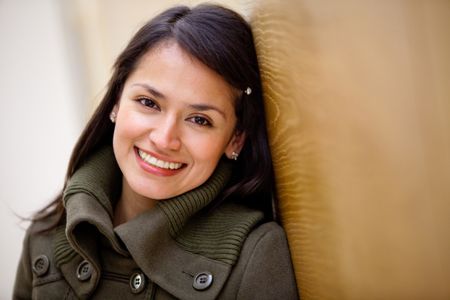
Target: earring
column 113, row 116
column 234, row 155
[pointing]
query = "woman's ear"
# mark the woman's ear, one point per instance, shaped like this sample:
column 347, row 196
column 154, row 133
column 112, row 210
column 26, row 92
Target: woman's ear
column 235, row 145
column 116, row 108
column 113, row 114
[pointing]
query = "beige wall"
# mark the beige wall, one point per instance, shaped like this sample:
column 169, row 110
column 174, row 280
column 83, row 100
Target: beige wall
column 40, row 104
column 359, row 119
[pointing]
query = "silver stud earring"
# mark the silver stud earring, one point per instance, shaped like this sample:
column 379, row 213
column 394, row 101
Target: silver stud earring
column 234, row 155
column 113, row 116
column 248, row 91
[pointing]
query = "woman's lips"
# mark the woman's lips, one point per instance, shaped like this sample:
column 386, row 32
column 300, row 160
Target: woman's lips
column 157, row 166
column 151, row 160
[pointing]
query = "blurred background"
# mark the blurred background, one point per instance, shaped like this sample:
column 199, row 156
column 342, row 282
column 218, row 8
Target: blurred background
column 357, row 96
column 55, row 60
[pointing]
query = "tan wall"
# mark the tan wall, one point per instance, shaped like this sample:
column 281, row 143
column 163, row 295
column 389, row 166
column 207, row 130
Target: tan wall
column 358, row 95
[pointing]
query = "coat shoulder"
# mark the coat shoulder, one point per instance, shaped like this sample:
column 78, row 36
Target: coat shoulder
column 264, row 269
column 36, row 266
column 40, row 235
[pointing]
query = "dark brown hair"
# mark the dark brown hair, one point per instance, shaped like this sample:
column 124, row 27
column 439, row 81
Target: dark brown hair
column 222, row 40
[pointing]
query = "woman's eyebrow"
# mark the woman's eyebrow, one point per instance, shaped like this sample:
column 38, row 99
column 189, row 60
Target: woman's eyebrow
column 150, row 89
column 204, row 107
column 199, row 107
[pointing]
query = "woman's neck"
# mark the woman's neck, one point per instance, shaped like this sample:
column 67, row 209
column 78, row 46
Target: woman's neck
column 130, row 205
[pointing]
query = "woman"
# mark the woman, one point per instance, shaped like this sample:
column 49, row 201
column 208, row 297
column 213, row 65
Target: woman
column 168, row 190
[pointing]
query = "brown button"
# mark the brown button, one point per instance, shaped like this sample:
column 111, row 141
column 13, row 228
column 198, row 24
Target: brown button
column 202, row 281
column 84, row 271
column 137, row 282
column 41, row 265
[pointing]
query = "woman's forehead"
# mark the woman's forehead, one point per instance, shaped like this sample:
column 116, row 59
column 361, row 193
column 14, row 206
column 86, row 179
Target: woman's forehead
column 171, row 70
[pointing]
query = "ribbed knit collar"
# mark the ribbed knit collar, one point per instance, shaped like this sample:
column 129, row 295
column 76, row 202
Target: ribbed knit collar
column 101, row 179
column 206, row 242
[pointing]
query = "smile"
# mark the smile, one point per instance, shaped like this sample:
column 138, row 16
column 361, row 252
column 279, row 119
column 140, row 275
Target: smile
column 153, row 161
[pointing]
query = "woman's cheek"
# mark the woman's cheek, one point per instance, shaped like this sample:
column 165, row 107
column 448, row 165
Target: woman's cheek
column 206, row 147
column 135, row 124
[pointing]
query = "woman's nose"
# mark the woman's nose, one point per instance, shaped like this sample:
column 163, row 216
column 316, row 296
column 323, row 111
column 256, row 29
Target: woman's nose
column 165, row 135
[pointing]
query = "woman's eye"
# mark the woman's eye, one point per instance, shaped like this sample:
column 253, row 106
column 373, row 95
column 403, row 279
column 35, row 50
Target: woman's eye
column 201, row 121
column 148, row 103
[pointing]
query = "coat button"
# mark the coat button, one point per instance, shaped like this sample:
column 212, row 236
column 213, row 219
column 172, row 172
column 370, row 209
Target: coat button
column 202, row 281
column 41, row 265
column 84, row 271
column 137, row 282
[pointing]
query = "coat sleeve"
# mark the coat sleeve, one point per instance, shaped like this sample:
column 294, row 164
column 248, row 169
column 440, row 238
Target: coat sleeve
column 24, row 276
column 268, row 272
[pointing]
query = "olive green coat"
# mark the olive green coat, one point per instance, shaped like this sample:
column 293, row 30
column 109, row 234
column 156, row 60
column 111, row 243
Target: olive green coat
column 173, row 251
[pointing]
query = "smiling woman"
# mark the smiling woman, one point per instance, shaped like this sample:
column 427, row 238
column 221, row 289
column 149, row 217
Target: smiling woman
column 175, row 119
column 169, row 189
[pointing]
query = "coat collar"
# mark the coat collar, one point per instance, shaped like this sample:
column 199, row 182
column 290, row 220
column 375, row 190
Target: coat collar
column 168, row 244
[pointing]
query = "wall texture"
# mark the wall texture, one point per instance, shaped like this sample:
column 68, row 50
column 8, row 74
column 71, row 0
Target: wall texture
column 358, row 94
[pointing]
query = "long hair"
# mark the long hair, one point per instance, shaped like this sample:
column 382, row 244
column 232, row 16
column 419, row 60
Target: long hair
column 222, row 40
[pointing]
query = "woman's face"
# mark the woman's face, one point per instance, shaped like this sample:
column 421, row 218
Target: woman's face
column 175, row 119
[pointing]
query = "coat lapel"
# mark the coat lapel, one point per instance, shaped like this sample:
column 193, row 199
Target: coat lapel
column 168, row 243
column 171, row 267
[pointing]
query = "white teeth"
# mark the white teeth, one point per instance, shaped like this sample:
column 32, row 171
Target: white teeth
column 158, row 163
